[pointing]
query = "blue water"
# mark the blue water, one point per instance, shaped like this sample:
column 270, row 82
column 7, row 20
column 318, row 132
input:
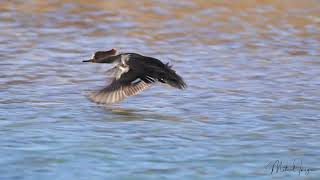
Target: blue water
column 253, row 96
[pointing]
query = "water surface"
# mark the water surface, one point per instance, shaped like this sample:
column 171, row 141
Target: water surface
column 253, row 96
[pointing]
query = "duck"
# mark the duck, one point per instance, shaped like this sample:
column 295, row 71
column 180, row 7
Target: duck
column 131, row 74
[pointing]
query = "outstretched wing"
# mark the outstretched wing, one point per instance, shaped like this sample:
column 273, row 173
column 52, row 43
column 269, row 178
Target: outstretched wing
column 116, row 92
column 126, row 83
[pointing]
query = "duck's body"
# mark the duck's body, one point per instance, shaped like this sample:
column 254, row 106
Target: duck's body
column 132, row 73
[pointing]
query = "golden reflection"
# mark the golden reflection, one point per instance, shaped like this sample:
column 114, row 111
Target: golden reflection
column 200, row 19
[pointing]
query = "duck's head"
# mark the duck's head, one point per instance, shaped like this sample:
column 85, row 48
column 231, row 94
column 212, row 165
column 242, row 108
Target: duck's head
column 102, row 56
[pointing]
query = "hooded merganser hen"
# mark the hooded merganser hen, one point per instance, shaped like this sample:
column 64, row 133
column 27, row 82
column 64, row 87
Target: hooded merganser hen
column 132, row 73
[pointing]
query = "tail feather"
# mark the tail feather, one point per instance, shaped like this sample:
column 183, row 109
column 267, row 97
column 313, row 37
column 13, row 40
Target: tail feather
column 172, row 78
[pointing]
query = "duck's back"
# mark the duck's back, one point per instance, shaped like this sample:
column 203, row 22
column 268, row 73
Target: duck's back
column 151, row 67
column 138, row 61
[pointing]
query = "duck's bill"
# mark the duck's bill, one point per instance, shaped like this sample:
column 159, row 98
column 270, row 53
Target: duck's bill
column 90, row 60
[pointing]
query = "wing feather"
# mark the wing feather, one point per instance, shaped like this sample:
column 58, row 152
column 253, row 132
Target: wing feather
column 128, row 80
column 116, row 92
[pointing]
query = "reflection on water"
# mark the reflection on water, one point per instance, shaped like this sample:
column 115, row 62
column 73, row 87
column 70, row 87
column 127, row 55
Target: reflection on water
column 253, row 73
column 134, row 114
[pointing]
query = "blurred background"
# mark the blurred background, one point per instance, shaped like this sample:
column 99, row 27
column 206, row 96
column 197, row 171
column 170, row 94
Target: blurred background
column 253, row 73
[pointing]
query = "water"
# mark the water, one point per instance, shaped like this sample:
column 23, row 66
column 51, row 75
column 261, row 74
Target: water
column 253, row 96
